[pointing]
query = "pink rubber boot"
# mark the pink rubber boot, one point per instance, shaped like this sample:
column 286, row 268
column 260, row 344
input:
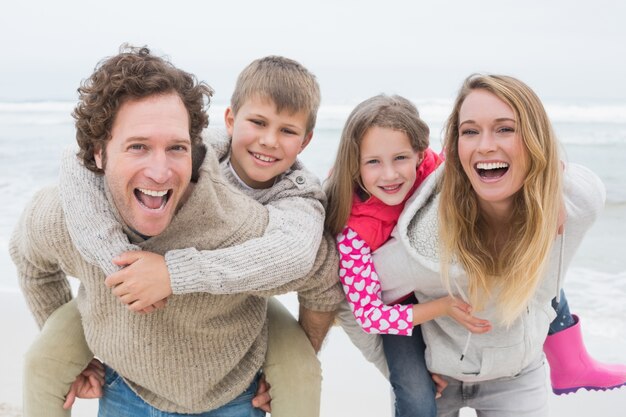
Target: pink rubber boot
column 571, row 367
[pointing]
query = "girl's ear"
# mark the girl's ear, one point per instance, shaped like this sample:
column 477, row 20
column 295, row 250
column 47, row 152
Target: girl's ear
column 420, row 157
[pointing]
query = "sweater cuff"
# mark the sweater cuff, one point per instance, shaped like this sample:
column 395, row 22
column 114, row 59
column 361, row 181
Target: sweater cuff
column 184, row 272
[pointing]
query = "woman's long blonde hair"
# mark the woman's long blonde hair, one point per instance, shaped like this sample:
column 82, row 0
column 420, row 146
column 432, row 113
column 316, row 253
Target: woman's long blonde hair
column 393, row 112
column 511, row 273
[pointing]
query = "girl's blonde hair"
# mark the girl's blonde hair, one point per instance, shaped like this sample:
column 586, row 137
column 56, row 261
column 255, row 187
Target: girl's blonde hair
column 392, row 112
column 511, row 273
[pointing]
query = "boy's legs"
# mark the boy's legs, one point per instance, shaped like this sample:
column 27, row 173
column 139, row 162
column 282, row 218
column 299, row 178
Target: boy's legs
column 291, row 366
column 121, row 401
column 52, row 363
column 412, row 384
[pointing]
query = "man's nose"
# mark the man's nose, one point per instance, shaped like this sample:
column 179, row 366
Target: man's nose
column 158, row 168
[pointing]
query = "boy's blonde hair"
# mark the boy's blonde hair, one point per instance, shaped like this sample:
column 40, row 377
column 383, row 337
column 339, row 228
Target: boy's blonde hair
column 512, row 273
column 392, row 112
column 288, row 84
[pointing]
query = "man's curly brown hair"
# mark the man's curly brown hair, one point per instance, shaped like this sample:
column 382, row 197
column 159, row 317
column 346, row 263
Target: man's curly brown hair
column 134, row 74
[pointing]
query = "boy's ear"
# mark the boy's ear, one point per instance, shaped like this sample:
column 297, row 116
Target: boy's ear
column 229, row 120
column 306, row 141
column 97, row 156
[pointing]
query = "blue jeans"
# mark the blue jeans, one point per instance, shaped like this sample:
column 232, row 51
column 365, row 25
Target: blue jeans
column 564, row 318
column 412, row 384
column 120, row 401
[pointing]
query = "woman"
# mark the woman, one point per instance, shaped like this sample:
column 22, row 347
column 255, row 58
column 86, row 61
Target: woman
column 484, row 228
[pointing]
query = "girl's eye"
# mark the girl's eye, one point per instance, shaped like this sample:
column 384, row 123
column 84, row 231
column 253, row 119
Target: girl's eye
column 371, row 162
column 401, row 157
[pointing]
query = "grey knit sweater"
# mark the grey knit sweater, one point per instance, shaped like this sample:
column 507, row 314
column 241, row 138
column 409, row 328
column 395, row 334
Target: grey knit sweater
column 285, row 252
column 202, row 350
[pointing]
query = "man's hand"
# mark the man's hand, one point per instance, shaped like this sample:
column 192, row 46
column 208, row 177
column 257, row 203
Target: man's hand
column 440, row 384
column 262, row 397
column 316, row 325
column 144, row 282
column 87, row 385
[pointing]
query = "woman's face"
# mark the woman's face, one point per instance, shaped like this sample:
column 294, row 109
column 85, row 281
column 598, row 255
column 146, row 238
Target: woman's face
column 491, row 151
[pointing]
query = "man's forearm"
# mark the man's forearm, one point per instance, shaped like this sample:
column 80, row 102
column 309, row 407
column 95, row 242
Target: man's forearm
column 316, row 324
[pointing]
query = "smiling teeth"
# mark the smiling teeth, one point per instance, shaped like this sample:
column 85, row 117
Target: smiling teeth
column 264, row 158
column 391, row 187
column 153, row 193
column 491, row 165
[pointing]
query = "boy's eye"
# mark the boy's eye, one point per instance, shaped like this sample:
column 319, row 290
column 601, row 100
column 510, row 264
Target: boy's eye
column 257, row 122
column 289, row 132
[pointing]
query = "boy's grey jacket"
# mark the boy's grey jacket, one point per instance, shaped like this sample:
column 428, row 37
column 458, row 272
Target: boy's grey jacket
column 409, row 262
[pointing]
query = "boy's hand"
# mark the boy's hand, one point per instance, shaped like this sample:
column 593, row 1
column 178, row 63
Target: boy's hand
column 460, row 311
column 262, row 397
column 144, row 282
column 87, row 385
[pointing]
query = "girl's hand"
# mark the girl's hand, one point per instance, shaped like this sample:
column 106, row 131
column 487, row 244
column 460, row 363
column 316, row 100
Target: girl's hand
column 460, row 311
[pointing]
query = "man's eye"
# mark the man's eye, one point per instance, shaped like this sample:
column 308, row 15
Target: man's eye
column 137, row 146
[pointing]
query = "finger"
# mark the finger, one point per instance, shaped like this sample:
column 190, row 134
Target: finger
column 127, row 258
column 70, row 397
column 115, row 279
column 96, row 387
column 262, row 401
column 148, row 309
column 128, row 299
column 161, row 303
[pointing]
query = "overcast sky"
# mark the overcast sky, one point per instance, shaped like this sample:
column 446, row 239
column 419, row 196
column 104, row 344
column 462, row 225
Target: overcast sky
column 565, row 49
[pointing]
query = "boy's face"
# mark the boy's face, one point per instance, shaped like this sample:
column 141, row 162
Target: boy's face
column 265, row 143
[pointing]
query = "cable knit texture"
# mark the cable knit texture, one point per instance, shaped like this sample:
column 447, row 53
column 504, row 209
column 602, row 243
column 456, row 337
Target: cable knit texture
column 202, row 350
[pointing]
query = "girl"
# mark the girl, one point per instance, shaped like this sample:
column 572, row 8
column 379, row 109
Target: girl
column 383, row 157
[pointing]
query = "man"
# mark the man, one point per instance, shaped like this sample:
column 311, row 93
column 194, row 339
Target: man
column 139, row 121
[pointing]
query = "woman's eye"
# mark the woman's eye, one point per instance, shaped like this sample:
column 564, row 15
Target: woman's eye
column 468, row 132
column 506, row 129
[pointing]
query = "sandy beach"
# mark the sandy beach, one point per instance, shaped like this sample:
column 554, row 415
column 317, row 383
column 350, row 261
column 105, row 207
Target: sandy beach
column 352, row 387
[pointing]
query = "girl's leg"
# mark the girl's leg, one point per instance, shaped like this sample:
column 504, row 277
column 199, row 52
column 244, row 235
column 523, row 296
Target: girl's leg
column 52, row 363
column 291, row 366
column 412, row 384
column 571, row 367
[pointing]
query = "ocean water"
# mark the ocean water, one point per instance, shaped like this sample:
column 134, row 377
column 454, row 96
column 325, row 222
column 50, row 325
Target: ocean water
column 33, row 136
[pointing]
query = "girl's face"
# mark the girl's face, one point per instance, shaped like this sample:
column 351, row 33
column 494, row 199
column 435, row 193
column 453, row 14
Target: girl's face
column 491, row 151
column 388, row 164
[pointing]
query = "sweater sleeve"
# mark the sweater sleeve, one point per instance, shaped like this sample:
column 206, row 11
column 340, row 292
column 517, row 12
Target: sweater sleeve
column 284, row 253
column 363, row 292
column 44, row 284
column 92, row 225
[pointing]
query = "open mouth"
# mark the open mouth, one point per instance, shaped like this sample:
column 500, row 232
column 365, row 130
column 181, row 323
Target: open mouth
column 491, row 170
column 152, row 199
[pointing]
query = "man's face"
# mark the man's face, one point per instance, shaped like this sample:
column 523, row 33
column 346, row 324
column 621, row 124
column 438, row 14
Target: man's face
column 148, row 161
